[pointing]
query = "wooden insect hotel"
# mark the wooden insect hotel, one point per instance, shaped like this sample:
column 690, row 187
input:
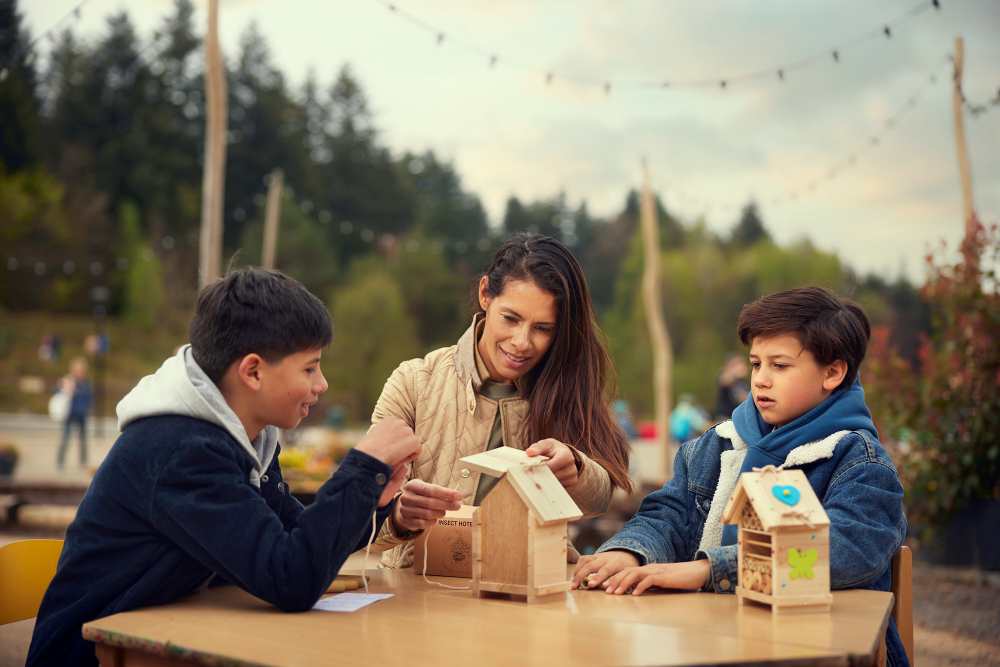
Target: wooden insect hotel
column 783, row 543
column 519, row 539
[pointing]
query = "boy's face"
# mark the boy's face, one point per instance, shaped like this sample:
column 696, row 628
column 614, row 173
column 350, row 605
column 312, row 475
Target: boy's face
column 289, row 387
column 785, row 379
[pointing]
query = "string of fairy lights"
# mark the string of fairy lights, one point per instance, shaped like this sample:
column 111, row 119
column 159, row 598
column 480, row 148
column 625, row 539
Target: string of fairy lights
column 349, row 230
column 27, row 50
column 352, row 231
column 779, row 73
column 831, row 172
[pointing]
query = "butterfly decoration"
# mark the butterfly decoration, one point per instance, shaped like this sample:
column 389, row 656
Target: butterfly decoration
column 802, row 562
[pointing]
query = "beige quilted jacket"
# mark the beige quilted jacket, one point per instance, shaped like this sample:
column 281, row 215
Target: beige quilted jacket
column 438, row 396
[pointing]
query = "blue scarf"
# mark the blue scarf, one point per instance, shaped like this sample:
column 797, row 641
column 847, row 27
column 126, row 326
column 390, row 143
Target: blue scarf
column 843, row 410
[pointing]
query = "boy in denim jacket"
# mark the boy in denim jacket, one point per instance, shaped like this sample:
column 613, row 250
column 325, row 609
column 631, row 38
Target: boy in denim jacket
column 806, row 410
column 191, row 492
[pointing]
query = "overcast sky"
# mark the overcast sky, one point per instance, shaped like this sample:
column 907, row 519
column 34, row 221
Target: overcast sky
column 709, row 149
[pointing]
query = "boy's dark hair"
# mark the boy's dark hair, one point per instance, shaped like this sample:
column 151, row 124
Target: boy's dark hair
column 829, row 327
column 255, row 311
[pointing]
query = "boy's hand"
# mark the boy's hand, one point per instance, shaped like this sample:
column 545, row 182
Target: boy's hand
column 399, row 475
column 688, row 576
column 592, row 571
column 391, row 441
column 561, row 461
column 421, row 504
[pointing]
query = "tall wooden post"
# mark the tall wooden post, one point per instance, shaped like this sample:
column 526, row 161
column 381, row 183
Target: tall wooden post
column 659, row 336
column 213, row 181
column 272, row 217
column 964, row 169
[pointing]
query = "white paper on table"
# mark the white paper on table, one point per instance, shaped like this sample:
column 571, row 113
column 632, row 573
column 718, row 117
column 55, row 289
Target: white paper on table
column 349, row 601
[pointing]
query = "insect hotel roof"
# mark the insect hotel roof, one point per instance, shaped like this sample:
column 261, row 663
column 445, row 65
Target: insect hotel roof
column 531, row 478
column 781, row 498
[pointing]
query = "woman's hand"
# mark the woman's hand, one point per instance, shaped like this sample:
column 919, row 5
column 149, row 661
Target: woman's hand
column 592, row 571
column 421, row 504
column 561, row 460
column 688, row 576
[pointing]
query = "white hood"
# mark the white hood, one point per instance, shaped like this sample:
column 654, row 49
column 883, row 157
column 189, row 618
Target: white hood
column 180, row 387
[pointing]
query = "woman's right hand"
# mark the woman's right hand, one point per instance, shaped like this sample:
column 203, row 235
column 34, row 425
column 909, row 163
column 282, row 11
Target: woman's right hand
column 421, row 504
column 592, row 571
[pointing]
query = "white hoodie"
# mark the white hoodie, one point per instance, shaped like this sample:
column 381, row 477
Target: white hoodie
column 180, row 387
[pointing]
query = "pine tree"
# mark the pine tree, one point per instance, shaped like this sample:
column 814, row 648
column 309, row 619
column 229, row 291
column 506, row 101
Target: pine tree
column 750, row 228
column 19, row 104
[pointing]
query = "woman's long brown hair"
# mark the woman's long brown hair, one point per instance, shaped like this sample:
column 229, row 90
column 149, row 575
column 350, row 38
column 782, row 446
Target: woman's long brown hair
column 572, row 386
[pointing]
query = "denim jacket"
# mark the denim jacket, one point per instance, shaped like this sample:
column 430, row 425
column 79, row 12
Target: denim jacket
column 850, row 472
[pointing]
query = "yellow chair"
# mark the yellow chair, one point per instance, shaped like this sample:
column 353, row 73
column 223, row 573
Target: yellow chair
column 26, row 568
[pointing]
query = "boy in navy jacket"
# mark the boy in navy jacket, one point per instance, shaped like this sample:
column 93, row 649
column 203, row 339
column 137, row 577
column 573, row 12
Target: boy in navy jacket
column 192, row 491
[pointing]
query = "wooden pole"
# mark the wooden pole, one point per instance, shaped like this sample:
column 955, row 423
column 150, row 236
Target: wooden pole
column 964, row 169
column 272, row 217
column 213, row 180
column 659, row 336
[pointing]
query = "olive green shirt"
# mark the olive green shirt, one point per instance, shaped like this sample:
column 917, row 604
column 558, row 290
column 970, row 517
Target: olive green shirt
column 493, row 390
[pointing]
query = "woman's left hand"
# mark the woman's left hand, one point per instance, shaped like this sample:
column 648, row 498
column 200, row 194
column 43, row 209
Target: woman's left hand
column 561, row 460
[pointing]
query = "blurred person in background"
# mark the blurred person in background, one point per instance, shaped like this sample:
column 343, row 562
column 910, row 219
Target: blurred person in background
column 531, row 372
column 733, row 386
column 81, row 396
column 623, row 413
column 686, row 419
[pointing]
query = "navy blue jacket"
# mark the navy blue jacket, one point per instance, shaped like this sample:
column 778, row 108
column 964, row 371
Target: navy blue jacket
column 172, row 505
column 79, row 404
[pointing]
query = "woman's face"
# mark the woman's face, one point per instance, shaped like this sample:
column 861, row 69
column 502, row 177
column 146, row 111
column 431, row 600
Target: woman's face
column 520, row 327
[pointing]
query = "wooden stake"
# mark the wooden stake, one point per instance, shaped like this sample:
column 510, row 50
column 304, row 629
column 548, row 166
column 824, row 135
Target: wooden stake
column 272, row 218
column 964, row 169
column 658, row 334
column 213, row 181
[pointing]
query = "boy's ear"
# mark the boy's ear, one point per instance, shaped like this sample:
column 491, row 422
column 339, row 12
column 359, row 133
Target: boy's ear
column 834, row 374
column 484, row 298
column 249, row 371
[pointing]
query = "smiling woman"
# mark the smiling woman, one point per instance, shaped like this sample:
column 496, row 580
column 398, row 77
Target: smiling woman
column 531, row 372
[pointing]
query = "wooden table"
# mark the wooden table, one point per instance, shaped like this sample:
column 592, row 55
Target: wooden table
column 427, row 625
